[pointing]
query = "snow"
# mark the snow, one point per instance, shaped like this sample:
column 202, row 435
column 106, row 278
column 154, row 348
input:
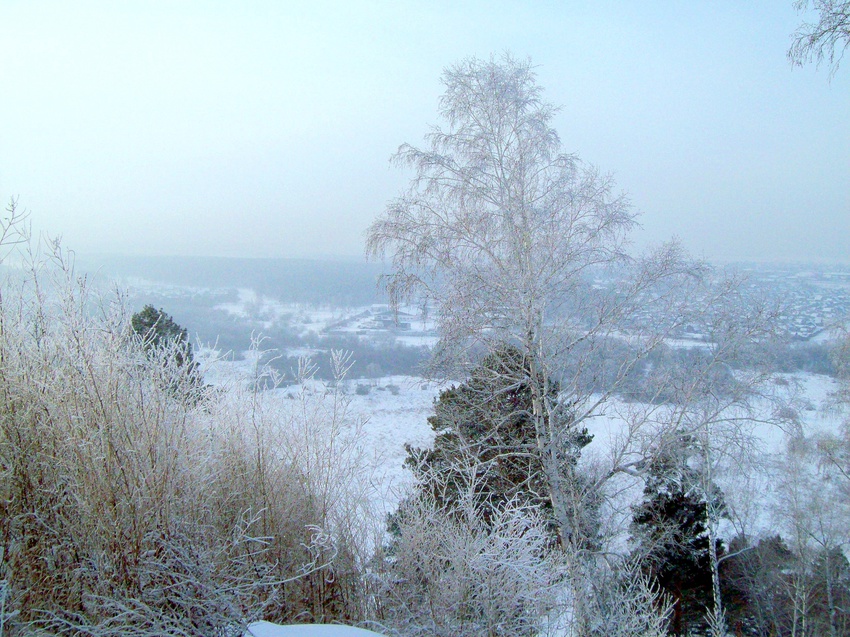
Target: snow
column 395, row 413
column 747, row 480
column 238, row 309
column 397, row 408
column 417, row 340
column 220, row 371
column 270, row 311
column 393, row 421
column 302, row 352
column 268, row 629
column 308, row 318
column 687, row 343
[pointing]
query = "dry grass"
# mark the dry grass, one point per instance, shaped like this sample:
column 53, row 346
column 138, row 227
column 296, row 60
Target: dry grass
column 129, row 507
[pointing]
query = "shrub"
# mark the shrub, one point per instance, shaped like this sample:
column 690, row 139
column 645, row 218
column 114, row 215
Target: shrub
column 127, row 508
column 455, row 575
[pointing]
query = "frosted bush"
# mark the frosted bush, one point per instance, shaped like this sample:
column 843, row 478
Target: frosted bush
column 128, row 508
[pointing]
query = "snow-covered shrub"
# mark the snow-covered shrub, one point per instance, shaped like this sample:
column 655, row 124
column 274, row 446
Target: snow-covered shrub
column 300, row 463
column 618, row 602
column 127, row 509
column 452, row 574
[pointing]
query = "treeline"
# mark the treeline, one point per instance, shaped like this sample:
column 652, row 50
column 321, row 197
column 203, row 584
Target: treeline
column 370, row 358
column 343, row 282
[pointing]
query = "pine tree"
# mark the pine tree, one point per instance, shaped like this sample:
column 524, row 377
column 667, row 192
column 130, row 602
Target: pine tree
column 671, row 533
column 161, row 337
column 486, row 444
column 159, row 331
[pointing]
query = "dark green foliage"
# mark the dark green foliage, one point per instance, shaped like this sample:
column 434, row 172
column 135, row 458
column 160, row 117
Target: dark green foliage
column 670, row 529
column 159, row 331
column 163, row 339
column 486, row 443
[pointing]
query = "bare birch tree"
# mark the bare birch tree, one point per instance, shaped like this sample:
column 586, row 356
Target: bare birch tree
column 515, row 242
column 823, row 41
column 505, row 234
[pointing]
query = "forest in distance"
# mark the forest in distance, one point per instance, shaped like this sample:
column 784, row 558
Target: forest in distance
column 286, row 299
column 505, row 423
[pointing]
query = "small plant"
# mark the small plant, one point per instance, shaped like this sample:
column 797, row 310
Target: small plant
column 362, row 390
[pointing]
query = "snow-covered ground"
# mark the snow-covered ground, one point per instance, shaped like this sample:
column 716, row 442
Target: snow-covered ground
column 391, row 421
column 396, row 408
column 395, row 411
column 748, row 469
column 408, row 324
column 310, row 318
column 268, row 629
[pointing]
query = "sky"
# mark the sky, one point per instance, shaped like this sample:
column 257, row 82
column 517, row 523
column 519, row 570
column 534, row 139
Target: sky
column 265, row 128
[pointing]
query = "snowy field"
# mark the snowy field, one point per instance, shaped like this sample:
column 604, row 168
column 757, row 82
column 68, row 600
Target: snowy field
column 391, row 421
column 393, row 413
column 395, row 410
column 747, row 471
column 407, row 323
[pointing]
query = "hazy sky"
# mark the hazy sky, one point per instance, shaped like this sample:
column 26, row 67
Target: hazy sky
column 265, row 128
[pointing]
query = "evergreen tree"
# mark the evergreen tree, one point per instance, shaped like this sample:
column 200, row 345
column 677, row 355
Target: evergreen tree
column 160, row 331
column 486, row 443
column 670, row 529
column 162, row 336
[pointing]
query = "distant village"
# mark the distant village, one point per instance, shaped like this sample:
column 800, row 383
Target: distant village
column 814, row 299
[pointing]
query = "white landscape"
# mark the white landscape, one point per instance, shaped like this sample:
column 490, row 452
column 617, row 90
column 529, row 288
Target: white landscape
column 343, row 442
column 268, row 629
column 501, row 390
column 392, row 412
column 385, row 420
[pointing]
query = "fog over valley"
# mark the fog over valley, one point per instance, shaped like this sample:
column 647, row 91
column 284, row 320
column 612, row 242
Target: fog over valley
column 483, row 319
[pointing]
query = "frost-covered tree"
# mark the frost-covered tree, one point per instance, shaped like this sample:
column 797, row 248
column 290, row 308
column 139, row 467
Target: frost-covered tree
column 166, row 342
column 515, row 242
column 825, row 40
column 812, row 507
column 834, row 448
column 507, row 236
column 459, row 571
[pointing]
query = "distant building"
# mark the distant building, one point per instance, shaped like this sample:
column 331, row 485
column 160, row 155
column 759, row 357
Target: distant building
column 386, row 319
